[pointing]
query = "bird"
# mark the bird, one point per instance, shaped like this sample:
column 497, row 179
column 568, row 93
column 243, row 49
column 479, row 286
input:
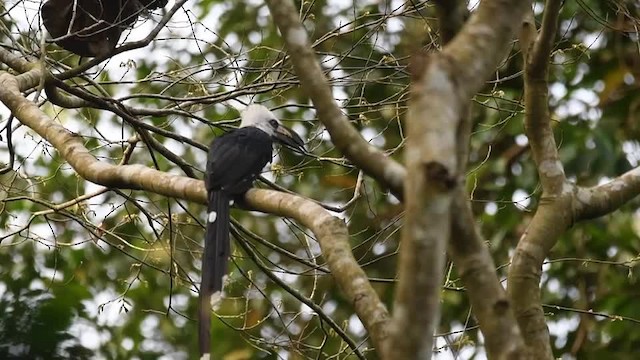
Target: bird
column 234, row 162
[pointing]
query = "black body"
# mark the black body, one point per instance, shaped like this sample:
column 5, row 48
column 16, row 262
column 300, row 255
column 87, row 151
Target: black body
column 235, row 161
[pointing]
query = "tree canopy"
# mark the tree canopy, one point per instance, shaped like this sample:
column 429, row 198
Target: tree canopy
column 472, row 173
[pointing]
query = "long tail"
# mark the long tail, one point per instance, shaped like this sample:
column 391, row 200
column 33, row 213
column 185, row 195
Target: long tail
column 214, row 263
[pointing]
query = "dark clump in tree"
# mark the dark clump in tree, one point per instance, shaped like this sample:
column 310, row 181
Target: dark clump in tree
column 92, row 27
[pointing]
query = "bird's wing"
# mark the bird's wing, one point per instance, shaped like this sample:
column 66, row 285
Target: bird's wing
column 236, row 159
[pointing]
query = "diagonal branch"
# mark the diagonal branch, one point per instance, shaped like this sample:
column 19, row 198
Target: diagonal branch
column 333, row 237
column 345, row 137
column 491, row 305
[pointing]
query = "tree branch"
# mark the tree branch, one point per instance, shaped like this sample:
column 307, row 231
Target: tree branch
column 442, row 85
column 345, row 137
column 554, row 214
column 451, row 16
column 491, row 306
column 333, row 237
column 482, row 43
column 603, row 199
column 467, row 248
column 430, row 157
column 331, row 232
column 553, row 217
column 537, row 117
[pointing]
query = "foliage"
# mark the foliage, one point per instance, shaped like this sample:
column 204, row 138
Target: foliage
column 115, row 273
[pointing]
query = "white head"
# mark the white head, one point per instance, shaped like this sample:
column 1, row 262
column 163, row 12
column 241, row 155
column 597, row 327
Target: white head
column 260, row 117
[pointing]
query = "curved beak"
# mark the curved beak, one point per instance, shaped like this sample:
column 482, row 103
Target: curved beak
column 290, row 139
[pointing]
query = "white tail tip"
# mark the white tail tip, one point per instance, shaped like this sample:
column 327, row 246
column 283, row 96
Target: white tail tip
column 212, row 216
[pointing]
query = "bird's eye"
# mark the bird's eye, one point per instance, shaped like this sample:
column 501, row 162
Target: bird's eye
column 273, row 123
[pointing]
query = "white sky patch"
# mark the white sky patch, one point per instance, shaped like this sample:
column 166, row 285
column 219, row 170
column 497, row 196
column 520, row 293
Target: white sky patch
column 339, row 93
column 379, row 249
column 284, row 233
column 516, row 169
column 562, row 327
column 355, row 326
column 538, row 8
column 306, row 310
column 110, row 314
column 466, row 352
column 50, row 274
column 603, row 180
column 325, row 136
column 212, row 216
column 629, row 79
column 394, row 24
column 297, row 36
column 554, row 286
column 300, row 129
column 574, row 294
column 37, row 284
column 598, row 86
column 338, row 6
column 255, row 37
column 286, row 277
column 566, row 25
column 491, row 208
column 329, row 307
column 149, row 324
column 178, row 301
column 86, row 333
column 557, row 90
column 587, row 96
column 373, row 136
column 581, row 71
column 329, row 61
column 127, row 344
column 274, row 257
column 391, row 199
column 521, row 199
column 522, row 140
column 594, row 40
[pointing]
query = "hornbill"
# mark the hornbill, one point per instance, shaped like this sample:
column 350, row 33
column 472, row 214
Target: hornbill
column 235, row 160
